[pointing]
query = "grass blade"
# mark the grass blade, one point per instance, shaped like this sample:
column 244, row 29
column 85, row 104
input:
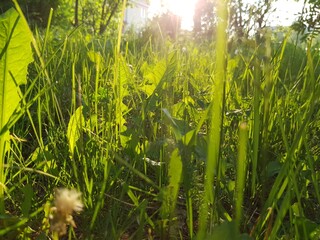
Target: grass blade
column 241, row 171
column 219, row 76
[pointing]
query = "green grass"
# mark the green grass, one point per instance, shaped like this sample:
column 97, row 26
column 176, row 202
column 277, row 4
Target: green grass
column 174, row 140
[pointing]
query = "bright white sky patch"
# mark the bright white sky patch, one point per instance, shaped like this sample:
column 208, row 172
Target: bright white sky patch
column 284, row 15
column 286, row 12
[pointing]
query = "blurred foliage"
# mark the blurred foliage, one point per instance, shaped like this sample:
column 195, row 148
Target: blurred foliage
column 5, row 5
column 204, row 18
column 95, row 15
column 36, row 11
column 98, row 15
column 162, row 26
column 308, row 23
column 245, row 18
column 249, row 18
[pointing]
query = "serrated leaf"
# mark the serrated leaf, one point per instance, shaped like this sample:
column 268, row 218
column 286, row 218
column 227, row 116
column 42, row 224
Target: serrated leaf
column 153, row 76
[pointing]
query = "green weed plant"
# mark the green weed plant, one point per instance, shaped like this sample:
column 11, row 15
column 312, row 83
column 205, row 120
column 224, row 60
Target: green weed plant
column 178, row 140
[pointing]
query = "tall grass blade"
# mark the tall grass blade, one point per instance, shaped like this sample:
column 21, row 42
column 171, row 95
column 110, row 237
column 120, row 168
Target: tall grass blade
column 241, row 171
column 218, row 76
column 171, row 192
column 256, row 124
column 117, row 79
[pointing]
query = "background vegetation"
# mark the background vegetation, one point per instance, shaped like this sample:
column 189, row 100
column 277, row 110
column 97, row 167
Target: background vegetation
column 196, row 135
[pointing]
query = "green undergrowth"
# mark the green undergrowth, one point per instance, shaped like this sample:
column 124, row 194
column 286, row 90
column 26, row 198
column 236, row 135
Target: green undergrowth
column 178, row 140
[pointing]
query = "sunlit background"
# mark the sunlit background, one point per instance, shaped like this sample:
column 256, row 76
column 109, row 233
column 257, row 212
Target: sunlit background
column 182, row 8
column 285, row 11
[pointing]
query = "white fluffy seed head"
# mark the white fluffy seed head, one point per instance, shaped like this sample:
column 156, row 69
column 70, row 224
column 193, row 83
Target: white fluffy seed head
column 66, row 201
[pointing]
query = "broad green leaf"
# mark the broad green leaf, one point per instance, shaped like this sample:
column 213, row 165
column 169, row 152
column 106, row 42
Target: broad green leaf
column 228, row 231
column 153, row 76
column 15, row 56
column 156, row 76
column 74, row 129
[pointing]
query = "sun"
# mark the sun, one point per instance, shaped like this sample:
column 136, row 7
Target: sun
column 184, row 9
